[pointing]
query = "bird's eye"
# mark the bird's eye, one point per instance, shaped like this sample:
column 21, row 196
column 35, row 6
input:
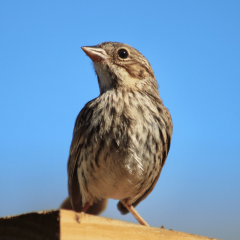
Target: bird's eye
column 123, row 53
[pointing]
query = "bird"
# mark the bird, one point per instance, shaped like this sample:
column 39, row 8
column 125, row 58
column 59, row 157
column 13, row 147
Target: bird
column 121, row 138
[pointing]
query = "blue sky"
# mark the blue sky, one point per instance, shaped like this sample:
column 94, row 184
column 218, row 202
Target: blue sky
column 45, row 80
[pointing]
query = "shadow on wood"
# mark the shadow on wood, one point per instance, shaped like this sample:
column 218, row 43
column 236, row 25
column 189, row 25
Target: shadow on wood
column 67, row 225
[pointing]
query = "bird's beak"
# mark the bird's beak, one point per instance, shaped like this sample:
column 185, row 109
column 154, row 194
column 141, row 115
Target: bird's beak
column 95, row 53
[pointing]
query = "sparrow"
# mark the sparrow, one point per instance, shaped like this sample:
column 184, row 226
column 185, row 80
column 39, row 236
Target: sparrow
column 121, row 139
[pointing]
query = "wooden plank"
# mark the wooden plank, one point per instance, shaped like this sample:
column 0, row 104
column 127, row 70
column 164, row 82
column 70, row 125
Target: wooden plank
column 68, row 225
column 84, row 226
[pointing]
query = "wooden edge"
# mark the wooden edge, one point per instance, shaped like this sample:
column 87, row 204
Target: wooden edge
column 34, row 226
column 68, row 225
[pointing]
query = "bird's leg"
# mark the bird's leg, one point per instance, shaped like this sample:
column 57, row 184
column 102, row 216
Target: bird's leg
column 86, row 206
column 133, row 211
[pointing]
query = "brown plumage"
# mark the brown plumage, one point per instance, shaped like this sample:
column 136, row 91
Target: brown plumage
column 121, row 138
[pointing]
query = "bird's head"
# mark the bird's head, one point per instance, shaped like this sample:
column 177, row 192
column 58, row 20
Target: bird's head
column 119, row 65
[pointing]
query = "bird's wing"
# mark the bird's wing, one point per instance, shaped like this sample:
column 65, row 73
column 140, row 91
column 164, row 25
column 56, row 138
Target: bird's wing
column 120, row 206
column 75, row 150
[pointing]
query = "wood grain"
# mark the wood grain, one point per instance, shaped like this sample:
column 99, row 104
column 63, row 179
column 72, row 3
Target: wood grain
column 68, row 225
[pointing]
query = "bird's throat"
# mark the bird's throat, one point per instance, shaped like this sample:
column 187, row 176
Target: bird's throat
column 106, row 79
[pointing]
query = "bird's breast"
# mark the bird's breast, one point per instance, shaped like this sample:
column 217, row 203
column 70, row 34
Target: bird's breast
column 122, row 151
